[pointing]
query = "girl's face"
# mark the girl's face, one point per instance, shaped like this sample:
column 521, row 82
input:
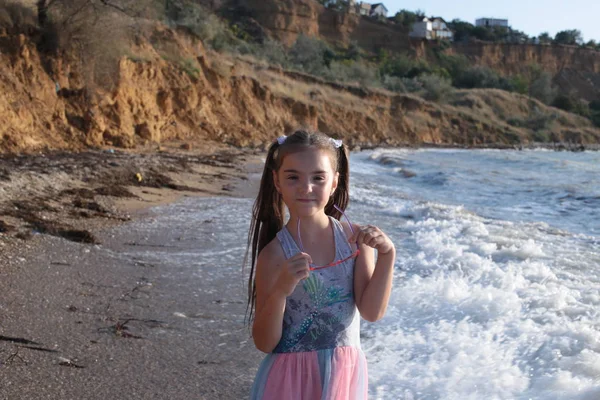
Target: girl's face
column 306, row 180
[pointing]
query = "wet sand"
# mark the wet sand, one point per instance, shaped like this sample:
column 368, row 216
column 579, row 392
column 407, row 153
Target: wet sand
column 90, row 321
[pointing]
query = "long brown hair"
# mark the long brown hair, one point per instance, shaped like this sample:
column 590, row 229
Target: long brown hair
column 269, row 210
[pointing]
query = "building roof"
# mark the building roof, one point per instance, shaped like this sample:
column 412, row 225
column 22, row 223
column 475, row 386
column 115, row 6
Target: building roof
column 495, row 19
column 432, row 19
column 366, row 6
column 374, row 6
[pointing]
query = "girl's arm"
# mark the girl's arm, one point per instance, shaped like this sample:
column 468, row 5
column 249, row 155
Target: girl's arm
column 373, row 281
column 276, row 278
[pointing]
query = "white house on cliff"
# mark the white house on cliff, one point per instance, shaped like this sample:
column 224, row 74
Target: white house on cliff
column 370, row 10
column 431, row 28
column 378, row 10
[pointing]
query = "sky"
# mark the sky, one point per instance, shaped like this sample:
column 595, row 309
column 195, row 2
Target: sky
column 530, row 16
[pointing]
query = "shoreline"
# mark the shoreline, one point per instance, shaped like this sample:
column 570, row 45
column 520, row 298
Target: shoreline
column 81, row 317
column 78, row 317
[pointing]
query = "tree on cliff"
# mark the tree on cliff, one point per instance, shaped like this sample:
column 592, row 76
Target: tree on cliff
column 545, row 38
column 94, row 33
column 569, row 37
column 408, row 18
column 462, row 30
column 72, row 9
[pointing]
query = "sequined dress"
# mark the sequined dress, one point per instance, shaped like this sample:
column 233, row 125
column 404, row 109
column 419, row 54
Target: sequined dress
column 319, row 354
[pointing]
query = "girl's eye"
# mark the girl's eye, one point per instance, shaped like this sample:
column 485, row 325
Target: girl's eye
column 319, row 178
column 292, row 178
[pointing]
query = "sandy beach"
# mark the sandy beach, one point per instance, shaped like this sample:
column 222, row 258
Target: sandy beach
column 81, row 318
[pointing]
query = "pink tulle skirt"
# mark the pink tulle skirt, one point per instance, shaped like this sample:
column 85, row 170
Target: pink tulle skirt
column 332, row 374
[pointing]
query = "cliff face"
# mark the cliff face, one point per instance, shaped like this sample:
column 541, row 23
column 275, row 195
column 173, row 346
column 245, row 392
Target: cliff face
column 285, row 19
column 574, row 69
column 515, row 58
column 205, row 96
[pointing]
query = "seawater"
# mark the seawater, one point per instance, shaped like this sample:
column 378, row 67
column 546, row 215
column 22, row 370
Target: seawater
column 497, row 281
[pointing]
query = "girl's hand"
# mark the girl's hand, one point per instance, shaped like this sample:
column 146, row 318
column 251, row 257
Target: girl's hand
column 373, row 237
column 293, row 271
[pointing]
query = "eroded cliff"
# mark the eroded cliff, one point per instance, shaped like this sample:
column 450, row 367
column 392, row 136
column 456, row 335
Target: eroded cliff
column 206, row 96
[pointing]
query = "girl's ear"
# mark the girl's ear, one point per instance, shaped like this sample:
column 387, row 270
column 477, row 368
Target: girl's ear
column 276, row 181
column 336, row 179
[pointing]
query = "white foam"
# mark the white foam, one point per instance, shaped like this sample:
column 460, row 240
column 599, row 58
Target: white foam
column 485, row 308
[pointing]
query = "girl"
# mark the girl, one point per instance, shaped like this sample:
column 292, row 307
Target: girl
column 309, row 278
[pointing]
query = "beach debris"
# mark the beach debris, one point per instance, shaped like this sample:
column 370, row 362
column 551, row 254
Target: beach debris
column 139, row 263
column 14, row 357
column 121, row 329
column 65, row 362
column 4, row 174
column 79, row 192
column 131, row 294
column 24, row 235
column 4, row 227
column 138, row 176
column 43, row 349
column 146, row 245
column 16, row 340
column 33, row 213
column 205, row 362
column 114, row 191
column 90, row 205
column 76, row 235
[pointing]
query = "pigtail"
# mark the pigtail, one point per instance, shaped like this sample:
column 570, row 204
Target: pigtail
column 267, row 220
column 341, row 196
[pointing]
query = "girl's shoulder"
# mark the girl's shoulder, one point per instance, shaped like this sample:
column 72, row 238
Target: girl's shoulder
column 272, row 254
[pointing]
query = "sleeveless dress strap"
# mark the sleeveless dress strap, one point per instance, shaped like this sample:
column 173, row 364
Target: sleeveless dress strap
column 344, row 249
column 289, row 246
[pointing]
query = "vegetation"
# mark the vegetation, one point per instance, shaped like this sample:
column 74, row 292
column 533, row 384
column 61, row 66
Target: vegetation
column 408, row 18
column 465, row 31
column 569, row 37
column 82, row 25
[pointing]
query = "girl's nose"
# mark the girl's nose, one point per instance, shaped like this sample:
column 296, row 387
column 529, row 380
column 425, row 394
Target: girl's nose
column 306, row 187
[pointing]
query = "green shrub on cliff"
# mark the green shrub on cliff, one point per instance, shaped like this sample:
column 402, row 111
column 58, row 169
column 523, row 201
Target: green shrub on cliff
column 308, row 53
column 478, row 77
column 435, row 87
column 273, row 52
column 393, row 84
column 541, row 86
column 350, row 71
column 401, row 66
